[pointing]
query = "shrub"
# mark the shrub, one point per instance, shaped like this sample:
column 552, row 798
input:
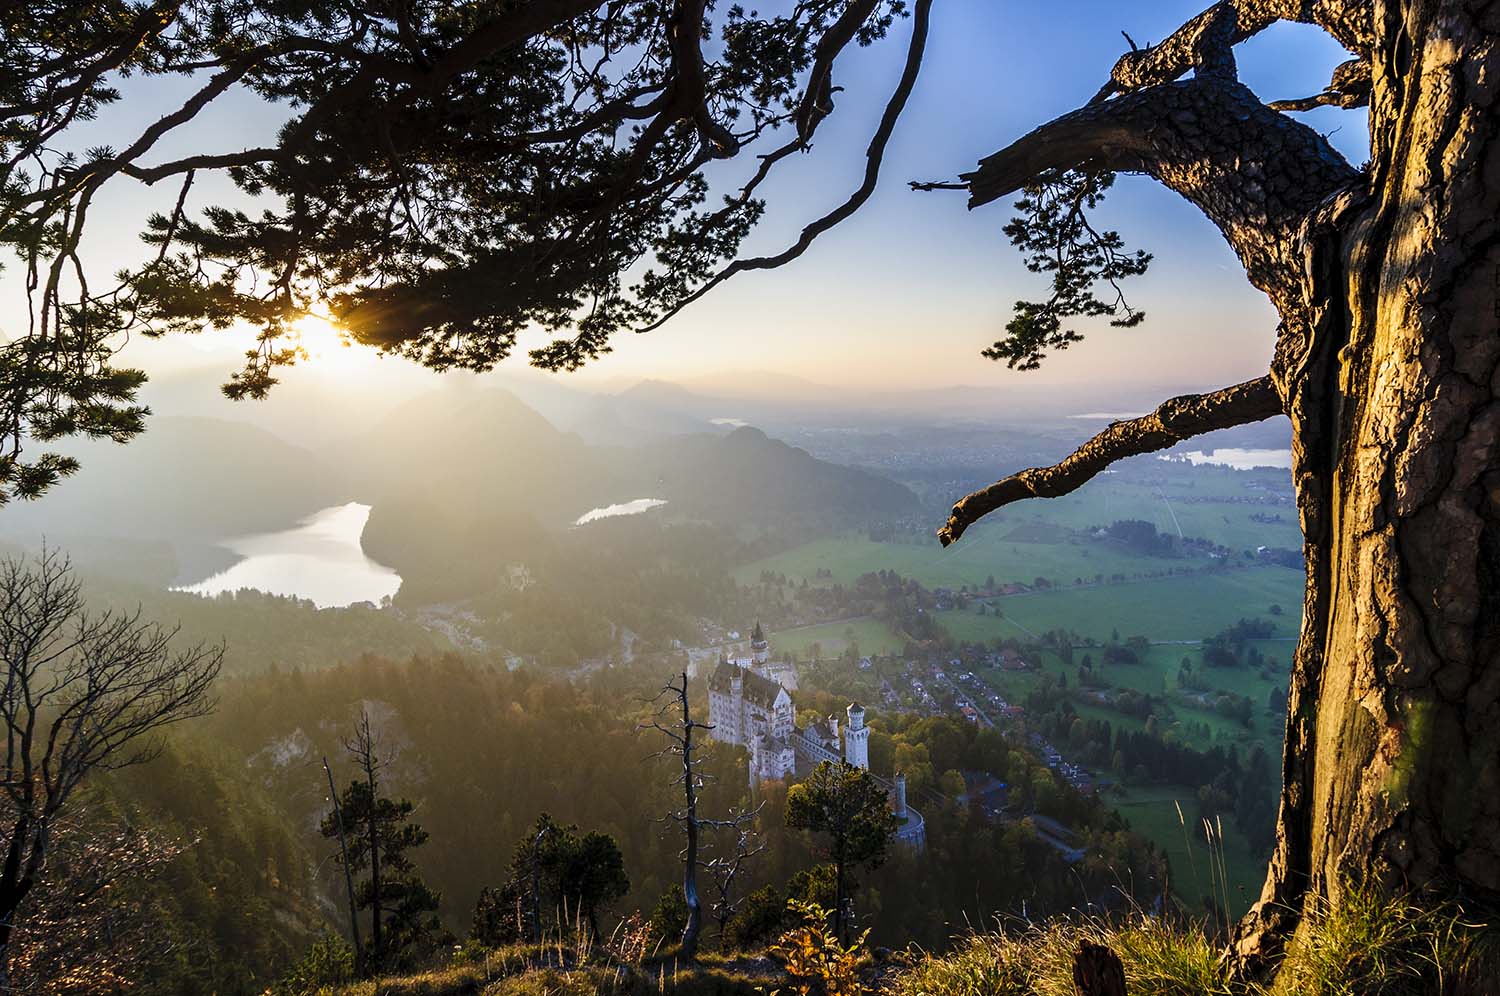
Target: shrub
column 329, row 963
column 817, row 964
column 670, row 916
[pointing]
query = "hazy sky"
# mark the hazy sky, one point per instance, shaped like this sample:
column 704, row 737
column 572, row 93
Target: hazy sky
column 907, row 292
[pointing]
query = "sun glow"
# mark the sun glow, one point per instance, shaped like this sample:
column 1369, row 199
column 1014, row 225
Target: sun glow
column 328, row 347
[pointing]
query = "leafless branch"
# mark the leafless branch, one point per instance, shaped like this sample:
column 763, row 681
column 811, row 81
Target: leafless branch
column 1173, row 421
column 874, row 155
column 82, row 693
column 1349, row 88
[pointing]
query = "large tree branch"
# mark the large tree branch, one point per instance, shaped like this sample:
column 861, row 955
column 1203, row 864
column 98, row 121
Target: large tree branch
column 1255, row 173
column 247, row 157
column 1205, row 42
column 1173, row 421
column 1349, row 88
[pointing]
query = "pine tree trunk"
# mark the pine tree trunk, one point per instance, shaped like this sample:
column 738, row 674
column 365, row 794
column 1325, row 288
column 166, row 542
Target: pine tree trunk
column 1392, row 764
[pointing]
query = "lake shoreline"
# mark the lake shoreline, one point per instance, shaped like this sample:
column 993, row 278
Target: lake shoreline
column 319, row 559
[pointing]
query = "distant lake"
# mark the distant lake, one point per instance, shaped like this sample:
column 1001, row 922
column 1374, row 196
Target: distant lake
column 635, row 507
column 1238, row 459
column 319, row 559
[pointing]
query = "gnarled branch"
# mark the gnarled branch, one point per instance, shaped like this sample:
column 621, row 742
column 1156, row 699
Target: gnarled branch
column 1173, row 421
column 1255, row 173
column 1349, row 88
column 1205, row 42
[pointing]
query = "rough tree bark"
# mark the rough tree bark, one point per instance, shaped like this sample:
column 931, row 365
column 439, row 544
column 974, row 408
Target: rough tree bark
column 1387, row 284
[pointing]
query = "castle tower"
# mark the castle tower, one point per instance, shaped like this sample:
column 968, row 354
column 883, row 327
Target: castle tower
column 901, row 797
column 857, row 737
column 760, row 650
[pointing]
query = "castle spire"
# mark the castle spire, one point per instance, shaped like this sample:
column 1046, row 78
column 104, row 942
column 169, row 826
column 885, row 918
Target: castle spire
column 760, row 650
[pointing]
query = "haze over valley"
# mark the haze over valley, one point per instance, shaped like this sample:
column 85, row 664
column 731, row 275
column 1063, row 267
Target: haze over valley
column 813, row 498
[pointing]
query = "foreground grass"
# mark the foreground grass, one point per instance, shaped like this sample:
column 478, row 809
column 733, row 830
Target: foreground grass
column 539, row 971
column 1159, row 961
column 1369, row 947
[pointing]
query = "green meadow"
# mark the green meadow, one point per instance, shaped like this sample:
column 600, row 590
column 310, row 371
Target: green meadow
column 1102, row 590
column 1172, row 608
column 1049, row 539
column 1165, row 814
column 869, row 636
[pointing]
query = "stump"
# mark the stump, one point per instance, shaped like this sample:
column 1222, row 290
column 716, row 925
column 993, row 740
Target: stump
column 1097, row 971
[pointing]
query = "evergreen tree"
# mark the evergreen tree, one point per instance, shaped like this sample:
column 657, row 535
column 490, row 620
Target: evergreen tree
column 379, row 835
column 555, row 872
column 759, row 919
column 499, row 916
column 848, row 805
column 670, row 915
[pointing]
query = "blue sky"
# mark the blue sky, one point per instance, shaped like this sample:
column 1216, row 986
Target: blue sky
column 907, row 292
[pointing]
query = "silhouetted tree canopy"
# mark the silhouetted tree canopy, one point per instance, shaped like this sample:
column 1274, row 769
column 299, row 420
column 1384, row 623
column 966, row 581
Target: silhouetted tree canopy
column 451, row 173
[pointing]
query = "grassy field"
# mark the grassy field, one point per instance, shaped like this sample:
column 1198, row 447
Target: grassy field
column 1153, row 811
column 1040, row 539
column 1176, row 608
column 1204, row 501
column 847, row 557
column 1157, row 675
column 1053, row 540
column 871, row 636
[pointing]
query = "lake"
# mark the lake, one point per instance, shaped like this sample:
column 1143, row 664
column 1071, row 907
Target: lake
column 319, row 559
column 635, row 507
column 1239, row 459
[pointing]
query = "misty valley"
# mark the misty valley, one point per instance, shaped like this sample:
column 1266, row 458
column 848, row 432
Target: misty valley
column 812, row 498
column 1083, row 685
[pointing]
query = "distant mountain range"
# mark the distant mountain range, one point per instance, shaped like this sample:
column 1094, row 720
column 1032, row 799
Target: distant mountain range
column 453, row 477
column 317, row 405
column 462, row 488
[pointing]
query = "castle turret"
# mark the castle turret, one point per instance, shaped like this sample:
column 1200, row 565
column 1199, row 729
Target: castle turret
column 760, row 650
column 901, row 797
column 857, row 737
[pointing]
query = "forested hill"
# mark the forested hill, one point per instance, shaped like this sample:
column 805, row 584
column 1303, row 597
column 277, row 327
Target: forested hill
column 461, row 483
column 472, row 453
column 748, row 477
column 481, row 753
column 461, row 489
column 481, row 455
column 187, row 478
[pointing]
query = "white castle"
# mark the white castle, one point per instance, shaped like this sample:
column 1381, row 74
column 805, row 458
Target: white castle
column 747, row 706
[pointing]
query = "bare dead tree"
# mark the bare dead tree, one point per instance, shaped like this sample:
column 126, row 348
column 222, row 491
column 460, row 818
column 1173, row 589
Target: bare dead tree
column 82, row 693
column 364, row 746
column 338, row 816
column 678, row 728
column 730, row 860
